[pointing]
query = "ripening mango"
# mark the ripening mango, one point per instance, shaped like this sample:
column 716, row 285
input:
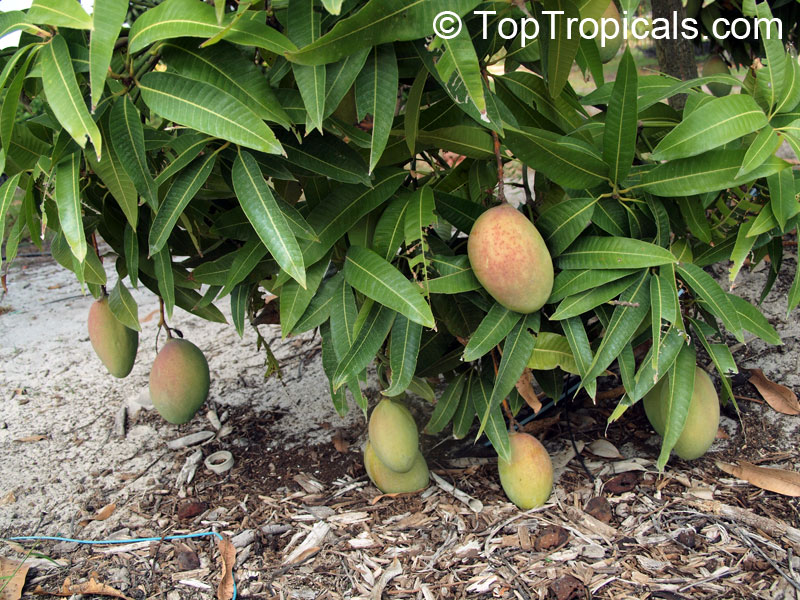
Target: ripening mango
column 392, row 482
column 714, row 65
column 702, row 421
column 394, row 436
column 510, row 259
column 179, row 381
column 527, row 479
column 114, row 343
column 612, row 44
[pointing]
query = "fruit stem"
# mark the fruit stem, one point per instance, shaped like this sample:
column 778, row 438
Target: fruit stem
column 100, row 258
column 162, row 322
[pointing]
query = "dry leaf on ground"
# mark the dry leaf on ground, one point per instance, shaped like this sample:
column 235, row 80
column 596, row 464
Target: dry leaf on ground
column 524, row 386
column 31, row 438
column 100, row 515
column 16, row 572
column 780, row 481
column 227, row 555
column 604, row 449
column 90, row 587
column 777, row 396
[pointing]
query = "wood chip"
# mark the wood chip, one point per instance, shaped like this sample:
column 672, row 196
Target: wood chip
column 777, row 396
column 310, row 545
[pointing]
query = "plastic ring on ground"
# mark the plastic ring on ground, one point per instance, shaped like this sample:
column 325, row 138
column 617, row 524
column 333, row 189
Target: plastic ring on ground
column 219, row 462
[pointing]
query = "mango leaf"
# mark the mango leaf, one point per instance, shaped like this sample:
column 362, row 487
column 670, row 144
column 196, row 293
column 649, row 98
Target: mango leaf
column 366, row 344
column 465, row 412
column 123, row 306
column 376, row 94
column 390, row 229
column 377, row 279
column 60, row 13
column 619, row 134
column 714, row 124
column 531, row 89
column 710, row 172
column 744, row 244
column 493, row 423
column 596, row 252
column 790, row 97
column 411, row 119
column 458, row 67
column 581, row 351
column 403, row 352
column 111, row 173
column 707, row 289
column 456, row 211
column 419, row 214
column 194, row 18
column 447, row 404
column 764, row 146
column 225, row 68
column 207, row 108
column 679, row 396
column 187, row 147
column 794, row 292
column 753, row 321
column 324, row 155
column 303, row 25
column 329, row 363
column 182, row 190
column 456, row 276
column 68, row 200
column 563, row 222
column 7, row 193
column 551, row 351
column 494, row 327
column 131, row 245
column 471, row 141
column 585, row 301
column 783, row 199
column 64, row 95
column 107, row 18
column 127, row 137
column 339, row 79
column 8, row 113
column 561, row 47
column 321, row 306
column 265, row 215
column 516, row 352
column 695, row 216
column 15, row 20
column 770, row 78
column 560, row 158
column 294, row 299
column 571, row 282
column 165, row 279
column 625, row 320
column 378, row 22
column 247, row 258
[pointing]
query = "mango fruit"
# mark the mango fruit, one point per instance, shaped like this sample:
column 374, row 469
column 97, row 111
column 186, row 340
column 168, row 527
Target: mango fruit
column 179, row 381
column 714, row 65
column 702, row 420
column 394, row 436
column 612, row 45
column 114, row 343
column 392, row 482
column 510, row 259
column 527, row 479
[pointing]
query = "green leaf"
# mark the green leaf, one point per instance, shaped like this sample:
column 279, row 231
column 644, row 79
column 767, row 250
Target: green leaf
column 165, row 278
column 403, row 352
column 783, row 199
column 224, row 67
column 419, row 214
column 339, row 79
column 321, row 306
column 127, row 136
column 794, row 292
column 465, row 412
column 107, row 18
column 328, row 156
column 14, row 20
column 207, row 108
column 625, row 320
column 411, row 119
column 7, row 192
column 303, row 25
column 294, row 299
column 194, row 18
column 744, row 244
column 619, row 134
column 334, row 7
column 124, row 307
column 447, row 404
column 560, row 45
column 493, row 422
column 239, row 299
column 68, row 200
column 64, row 95
column 705, row 288
column 790, row 97
column 563, row 222
column 695, row 216
column 679, row 396
column 378, row 22
column 376, row 94
column 343, row 317
column 594, row 252
column 770, row 78
column 457, row 276
column 93, row 271
column 329, row 362
column 709, row 172
column 458, row 67
column 585, row 301
column 366, row 344
column 187, row 147
column 247, row 258
column 180, row 193
column 764, row 146
column 494, row 327
column 471, row 141
column 753, row 321
column 571, row 282
column 114, row 177
column 517, row 351
column 131, row 245
column 721, row 357
column 581, row 350
column 459, row 213
column 531, row 89
column 552, row 351
column 564, row 160
column 265, row 215
column 390, row 229
column 377, row 279
column 8, row 114
column 60, row 13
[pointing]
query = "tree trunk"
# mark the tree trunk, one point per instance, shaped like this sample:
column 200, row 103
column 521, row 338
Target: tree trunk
column 675, row 56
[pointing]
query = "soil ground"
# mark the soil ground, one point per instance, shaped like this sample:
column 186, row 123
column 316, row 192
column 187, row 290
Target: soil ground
column 304, row 518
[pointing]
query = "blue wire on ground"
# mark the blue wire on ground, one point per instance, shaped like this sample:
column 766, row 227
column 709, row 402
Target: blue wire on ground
column 127, row 541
